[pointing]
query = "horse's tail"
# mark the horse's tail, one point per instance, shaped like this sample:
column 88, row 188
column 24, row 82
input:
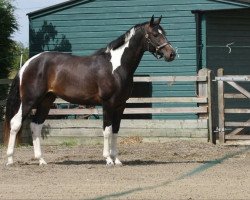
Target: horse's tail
column 12, row 106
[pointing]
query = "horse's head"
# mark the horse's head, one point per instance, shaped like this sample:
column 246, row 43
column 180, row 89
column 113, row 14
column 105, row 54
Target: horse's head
column 157, row 42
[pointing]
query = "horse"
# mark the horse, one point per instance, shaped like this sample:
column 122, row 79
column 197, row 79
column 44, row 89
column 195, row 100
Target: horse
column 104, row 78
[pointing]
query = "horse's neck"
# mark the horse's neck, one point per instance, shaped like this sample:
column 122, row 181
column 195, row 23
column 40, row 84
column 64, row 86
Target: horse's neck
column 133, row 55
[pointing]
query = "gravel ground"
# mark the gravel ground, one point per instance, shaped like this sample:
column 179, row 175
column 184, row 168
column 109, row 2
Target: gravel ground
column 180, row 169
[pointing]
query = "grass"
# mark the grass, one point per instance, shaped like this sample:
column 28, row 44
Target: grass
column 69, row 143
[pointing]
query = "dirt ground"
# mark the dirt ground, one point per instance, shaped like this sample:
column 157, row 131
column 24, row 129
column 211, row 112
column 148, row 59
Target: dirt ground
column 178, row 169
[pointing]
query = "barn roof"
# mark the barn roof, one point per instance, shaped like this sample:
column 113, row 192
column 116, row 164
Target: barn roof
column 244, row 3
column 71, row 3
column 59, row 6
column 240, row 1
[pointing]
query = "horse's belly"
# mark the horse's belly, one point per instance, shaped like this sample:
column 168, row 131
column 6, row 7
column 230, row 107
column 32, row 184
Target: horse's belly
column 82, row 100
column 78, row 95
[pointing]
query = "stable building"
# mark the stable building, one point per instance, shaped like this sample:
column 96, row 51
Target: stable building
column 206, row 34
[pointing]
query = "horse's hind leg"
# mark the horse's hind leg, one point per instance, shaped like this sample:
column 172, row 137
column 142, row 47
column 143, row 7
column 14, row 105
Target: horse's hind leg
column 15, row 126
column 37, row 124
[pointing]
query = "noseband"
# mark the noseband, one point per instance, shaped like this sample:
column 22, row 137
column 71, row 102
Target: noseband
column 157, row 48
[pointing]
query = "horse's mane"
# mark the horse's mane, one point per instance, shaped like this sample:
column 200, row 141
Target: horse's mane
column 119, row 41
column 122, row 39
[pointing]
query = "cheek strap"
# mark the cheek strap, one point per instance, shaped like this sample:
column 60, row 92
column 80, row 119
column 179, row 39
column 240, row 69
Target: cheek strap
column 157, row 47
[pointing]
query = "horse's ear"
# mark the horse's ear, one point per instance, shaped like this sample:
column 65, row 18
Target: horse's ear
column 158, row 21
column 151, row 23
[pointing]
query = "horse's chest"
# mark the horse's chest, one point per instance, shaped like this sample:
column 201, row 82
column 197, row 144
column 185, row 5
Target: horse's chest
column 124, row 91
column 118, row 91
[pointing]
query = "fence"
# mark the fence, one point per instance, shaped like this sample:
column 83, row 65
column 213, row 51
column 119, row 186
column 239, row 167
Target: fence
column 224, row 125
column 58, row 130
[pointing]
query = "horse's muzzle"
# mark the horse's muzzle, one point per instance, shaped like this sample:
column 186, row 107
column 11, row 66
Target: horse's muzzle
column 169, row 56
column 172, row 56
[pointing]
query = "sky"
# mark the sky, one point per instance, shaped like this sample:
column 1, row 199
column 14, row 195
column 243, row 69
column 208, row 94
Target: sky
column 22, row 8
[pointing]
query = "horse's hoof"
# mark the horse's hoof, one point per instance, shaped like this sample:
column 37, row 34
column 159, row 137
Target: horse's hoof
column 8, row 164
column 109, row 162
column 42, row 162
column 10, row 161
column 118, row 162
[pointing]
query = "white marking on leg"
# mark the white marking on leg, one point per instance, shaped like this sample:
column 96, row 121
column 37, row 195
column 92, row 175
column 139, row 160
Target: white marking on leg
column 15, row 125
column 26, row 64
column 36, row 130
column 106, row 134
column 113, row 150
column 116, row 55
column 106, row 150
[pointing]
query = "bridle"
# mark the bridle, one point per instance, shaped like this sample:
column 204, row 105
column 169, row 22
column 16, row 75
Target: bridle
column 156, row 54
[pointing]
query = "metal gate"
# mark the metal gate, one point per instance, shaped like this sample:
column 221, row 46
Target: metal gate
column 232, row 130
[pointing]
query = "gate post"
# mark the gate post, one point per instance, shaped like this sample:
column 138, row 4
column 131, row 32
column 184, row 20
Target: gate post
column 204, row 90
column 221, row 107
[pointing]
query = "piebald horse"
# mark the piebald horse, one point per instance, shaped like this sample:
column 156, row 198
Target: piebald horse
column 104, row 78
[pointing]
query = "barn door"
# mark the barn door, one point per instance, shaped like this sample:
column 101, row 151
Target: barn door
column 233, row 106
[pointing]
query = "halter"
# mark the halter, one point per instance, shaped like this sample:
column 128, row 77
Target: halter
column 157, row 48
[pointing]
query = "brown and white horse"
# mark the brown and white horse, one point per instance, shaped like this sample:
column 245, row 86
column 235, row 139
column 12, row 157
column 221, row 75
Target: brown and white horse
column 104, row 78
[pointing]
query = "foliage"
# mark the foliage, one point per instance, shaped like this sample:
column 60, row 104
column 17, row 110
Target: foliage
column 8, row 25
column 18, row 49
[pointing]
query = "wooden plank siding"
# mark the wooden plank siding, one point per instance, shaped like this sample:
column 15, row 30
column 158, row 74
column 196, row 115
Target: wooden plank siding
column 224, row 28
column 91, row 25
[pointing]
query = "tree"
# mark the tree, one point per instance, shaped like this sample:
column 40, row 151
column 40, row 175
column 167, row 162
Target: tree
column 8, row 25
column 18, row 49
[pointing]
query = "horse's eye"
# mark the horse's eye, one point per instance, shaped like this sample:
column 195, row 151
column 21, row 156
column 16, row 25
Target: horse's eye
column 155, row 34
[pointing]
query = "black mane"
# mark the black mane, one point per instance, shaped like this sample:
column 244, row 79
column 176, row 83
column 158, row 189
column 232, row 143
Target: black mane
column 115, row 44
column 119, row 41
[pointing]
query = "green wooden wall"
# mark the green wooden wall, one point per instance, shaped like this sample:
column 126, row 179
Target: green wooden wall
column 90, row 25
column 224, row 28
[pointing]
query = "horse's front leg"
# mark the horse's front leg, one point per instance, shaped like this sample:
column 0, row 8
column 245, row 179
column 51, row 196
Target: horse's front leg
column 107, row 132
column 113, row 149
column 115, row 127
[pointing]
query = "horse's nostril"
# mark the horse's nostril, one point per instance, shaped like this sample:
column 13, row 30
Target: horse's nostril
column 172, row 55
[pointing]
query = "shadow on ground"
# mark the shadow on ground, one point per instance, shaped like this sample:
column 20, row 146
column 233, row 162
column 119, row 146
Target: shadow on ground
column 129, row 163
